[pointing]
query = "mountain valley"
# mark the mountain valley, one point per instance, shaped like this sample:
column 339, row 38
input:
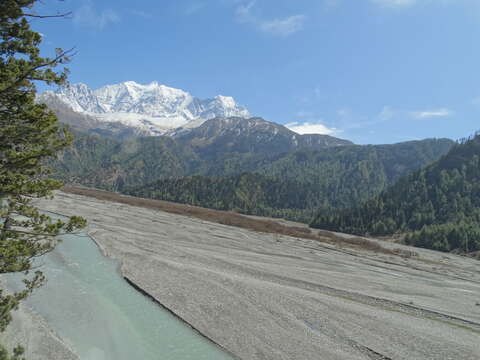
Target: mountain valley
column 325, row 172
column 203, row 156
column 302, row 183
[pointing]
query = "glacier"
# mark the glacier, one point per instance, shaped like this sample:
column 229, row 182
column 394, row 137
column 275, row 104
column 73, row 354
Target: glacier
column 152, row 108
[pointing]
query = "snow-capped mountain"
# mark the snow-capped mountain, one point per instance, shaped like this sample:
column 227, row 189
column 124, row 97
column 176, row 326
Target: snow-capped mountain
column 151, row 109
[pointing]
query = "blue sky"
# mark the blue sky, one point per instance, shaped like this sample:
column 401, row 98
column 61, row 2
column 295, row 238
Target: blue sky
column 372, row 71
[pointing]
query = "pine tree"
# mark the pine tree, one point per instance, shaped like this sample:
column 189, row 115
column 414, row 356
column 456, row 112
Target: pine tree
column 29, row 134
column 437, row 207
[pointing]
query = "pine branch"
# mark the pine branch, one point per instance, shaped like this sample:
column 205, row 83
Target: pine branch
column 28, row 74
column 64, row 15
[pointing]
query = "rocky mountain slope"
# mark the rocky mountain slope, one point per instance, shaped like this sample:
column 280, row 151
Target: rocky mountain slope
column 219, row 136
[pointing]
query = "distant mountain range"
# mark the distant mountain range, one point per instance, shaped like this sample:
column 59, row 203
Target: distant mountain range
column 215, row 125
column 151, row 109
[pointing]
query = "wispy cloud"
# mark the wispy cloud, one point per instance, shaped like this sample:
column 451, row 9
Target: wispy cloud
column 142, row 14
column 244, row 11
column 279, row 26
column 386, row 114
column 88, row 16
column 395, row 3
column 311, row 128
column 399, row 4
column 283, row 27
column 444, row 112
column 349, row 121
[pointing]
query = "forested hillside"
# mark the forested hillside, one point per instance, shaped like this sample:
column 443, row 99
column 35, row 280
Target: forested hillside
column 292, row 184
column 248, row 193
column 347, row 175
column 438, row 206
column 109, row 164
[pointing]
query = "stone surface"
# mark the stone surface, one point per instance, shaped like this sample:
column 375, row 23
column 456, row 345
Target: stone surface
column 265, row 296
column 33, row 333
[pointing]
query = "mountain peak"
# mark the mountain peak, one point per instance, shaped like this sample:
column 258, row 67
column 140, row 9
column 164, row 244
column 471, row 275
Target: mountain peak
column 227, row 101
column 153, row 108
column 219, row 136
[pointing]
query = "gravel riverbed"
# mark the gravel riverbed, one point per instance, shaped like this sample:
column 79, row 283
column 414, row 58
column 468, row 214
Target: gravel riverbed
column 268, row 296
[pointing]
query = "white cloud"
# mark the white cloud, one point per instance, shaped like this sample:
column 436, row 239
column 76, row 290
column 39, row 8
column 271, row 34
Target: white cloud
column 395, row 3
column 432, row 113
column 310, row 128
column 283, row 27
column 279, row 27
column 88, row 16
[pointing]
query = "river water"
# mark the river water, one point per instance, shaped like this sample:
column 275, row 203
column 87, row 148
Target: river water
column 94, row 310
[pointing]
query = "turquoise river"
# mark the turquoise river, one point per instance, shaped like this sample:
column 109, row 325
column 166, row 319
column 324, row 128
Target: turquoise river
column 102, row 317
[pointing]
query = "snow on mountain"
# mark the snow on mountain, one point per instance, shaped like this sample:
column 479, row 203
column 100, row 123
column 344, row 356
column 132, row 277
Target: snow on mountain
column 151, row 108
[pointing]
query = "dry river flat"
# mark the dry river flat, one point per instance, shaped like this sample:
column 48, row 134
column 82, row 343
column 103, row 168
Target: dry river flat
column 271, row 296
